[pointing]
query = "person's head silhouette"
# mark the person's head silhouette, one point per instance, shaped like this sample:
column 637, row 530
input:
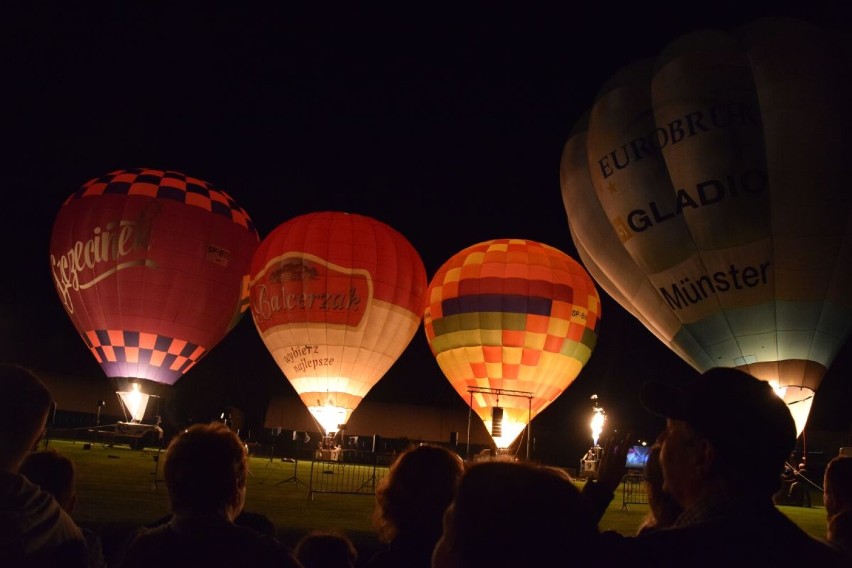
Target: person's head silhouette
column 22, row 423
column 726, row 432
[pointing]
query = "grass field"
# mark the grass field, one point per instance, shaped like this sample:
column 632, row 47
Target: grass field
column 120, row 489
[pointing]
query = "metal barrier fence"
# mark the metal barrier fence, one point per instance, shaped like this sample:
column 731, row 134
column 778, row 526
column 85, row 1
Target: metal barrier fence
column 633, row 490
column 341, row 477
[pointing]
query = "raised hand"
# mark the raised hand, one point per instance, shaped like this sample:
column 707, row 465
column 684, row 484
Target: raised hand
column 611, row 468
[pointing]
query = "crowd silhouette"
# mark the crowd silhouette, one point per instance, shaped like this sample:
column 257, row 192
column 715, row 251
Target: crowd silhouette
column 710, row 482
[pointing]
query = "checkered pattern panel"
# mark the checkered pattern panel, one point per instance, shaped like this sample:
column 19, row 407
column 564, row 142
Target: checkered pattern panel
column 159, row 184
column 119, row 346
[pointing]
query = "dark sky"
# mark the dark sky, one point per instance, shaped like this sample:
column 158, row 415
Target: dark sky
column 446, row 123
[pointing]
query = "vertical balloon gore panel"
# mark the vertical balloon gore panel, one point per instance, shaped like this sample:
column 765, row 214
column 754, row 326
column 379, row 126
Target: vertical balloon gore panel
column 511, row 323
column 336, row 298
column 712, row 201
column 151, row 267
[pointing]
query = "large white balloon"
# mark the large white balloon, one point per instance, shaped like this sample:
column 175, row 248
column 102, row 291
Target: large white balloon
column 707, row 192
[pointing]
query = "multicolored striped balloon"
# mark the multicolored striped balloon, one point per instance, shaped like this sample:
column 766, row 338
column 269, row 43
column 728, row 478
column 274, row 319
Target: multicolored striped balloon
column 511, row 323
column 336, row 298
column 152, row 268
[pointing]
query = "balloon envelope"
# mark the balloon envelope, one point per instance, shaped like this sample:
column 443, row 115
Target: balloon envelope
column 152, row 268
column 707, row 192
column 336, row 298
column 511, row 323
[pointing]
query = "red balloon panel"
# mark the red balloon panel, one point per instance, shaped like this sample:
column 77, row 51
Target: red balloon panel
column 151, row 267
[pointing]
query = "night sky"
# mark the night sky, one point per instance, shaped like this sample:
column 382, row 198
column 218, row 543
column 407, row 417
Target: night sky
column 446, row 123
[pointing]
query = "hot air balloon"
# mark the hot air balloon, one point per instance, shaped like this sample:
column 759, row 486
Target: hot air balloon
column 152, row 268
column 336, row 298
column 511, row 323
column 707, row 192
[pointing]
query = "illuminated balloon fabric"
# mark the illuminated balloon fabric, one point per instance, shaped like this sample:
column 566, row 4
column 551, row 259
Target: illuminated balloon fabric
column 336, row 298
column 516, row 315
column 707, row 192
column 152, row 268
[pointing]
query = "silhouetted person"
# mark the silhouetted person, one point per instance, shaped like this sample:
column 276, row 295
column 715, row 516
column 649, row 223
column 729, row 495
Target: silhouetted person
column 726, row 439
column 205, row 473
column 514, row 514
column 837, row 495
column 326, row 549
column 788, row 476
column 410, row 504
column 799, row 491
column 56, row 474
column 663, row 508
column 34, row 529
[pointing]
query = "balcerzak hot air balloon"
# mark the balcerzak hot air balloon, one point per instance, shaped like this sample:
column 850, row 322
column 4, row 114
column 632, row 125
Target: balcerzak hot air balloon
column 511, row 323
column 152, row 268
column 336, row 298
column 707, row 191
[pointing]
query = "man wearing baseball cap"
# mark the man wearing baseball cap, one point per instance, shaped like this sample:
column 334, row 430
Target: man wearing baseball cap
column 726, row 439
column 727, row 434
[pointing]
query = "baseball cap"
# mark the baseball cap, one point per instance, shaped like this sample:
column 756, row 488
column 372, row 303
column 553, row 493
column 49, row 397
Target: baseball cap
column 739, row 414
